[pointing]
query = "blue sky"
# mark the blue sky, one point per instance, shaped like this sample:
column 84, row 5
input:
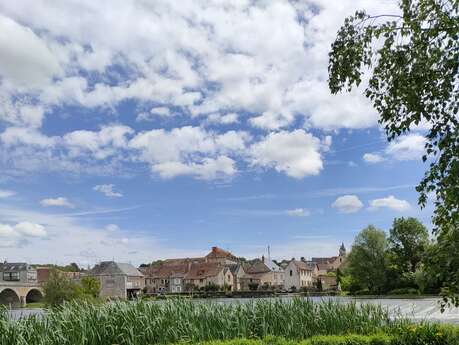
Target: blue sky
column 139, row 130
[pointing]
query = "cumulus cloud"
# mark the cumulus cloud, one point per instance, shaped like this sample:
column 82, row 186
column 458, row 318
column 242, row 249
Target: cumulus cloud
column 24, row 57
column 154, row 113
column 101, row 144
column 20, row 233
column 347, row 204
column 390, row 202
column 295, row 153
column 6, row 193
column 193, row 62
column 59, row 202
column 373, row 158
column 195, row 57
column 226, row 119
column 190, row 151
column 298, row 212
column 107, row 190
column 408, row 147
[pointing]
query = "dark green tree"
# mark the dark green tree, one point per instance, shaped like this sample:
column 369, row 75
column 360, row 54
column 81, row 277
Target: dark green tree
column 91, row 286
column 408, row 241
column 412, row 61
column 58, row 289
column 367, row 263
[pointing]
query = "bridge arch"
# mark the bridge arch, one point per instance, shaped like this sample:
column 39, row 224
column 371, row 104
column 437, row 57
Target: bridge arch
column 10, row 297
column 34, row 295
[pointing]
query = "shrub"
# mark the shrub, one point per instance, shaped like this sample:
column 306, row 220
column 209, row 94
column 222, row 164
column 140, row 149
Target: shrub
column 91, row 286
column 350, row 340
column 58, row 289
column 427, row 334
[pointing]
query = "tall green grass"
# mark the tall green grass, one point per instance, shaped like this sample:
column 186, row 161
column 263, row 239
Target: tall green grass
column 190, row 321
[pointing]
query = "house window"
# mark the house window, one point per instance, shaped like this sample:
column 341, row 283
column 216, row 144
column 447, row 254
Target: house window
column 32, row 276
column 11, row 276
column 291, row 273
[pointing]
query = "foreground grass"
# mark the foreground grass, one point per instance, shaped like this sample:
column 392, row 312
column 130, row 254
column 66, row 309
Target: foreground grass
column 186, row 321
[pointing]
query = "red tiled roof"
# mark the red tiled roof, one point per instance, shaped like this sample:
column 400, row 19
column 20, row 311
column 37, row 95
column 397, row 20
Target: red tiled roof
column 324, row 260
column 166, row 271
column 217, row 252
column 203, row 270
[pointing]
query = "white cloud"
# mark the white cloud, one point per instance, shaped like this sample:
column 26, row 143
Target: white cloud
column 295, row 153
column 30, row 229
column 193, row 61
column 408, row 147
column 194, row 56
column 189, row 151
column 20, row 233
column 223, row 119
column 83, row 244
column 154, row 113
column 6, row 193
column 59, row 201
column 102, row 144
column 347, row 204
column 107, row 190
column 16, row 136
column 208, row 169
column 298, row 212
column 373, row 158
column 112, row 227
column 390, row 202
column 25, row 58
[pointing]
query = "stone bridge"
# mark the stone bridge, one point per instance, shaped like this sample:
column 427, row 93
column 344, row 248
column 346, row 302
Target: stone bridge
column 19, row 294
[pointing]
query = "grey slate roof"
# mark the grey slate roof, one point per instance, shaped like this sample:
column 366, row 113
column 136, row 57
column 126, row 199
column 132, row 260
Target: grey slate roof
column 13, row 266
column 115, row 268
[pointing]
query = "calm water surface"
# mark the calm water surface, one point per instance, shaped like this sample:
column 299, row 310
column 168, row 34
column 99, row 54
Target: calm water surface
column 415, row 309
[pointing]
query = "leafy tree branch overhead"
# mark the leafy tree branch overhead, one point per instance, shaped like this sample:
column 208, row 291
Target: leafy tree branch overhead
column 410, row 62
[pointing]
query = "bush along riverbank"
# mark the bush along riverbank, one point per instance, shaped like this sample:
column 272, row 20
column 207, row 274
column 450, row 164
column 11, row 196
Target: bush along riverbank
column 182, row 321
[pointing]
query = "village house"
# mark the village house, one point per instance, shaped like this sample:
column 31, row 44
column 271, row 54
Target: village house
column 118, row 280
column 331, row 264
column 179, row 275
column 267, row 272
column 18, row 284
column 239, row 275
column 19, row 272
column 220, row 256
column 299, row 274
column 201, row 275
column 166, row 277
column 328, row 283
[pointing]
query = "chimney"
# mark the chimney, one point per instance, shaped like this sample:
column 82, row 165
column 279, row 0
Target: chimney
column 302, row 259
column 214, row 249
column 263, row 258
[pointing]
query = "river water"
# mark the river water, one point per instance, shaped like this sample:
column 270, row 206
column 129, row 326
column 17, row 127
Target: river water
column 422, row 309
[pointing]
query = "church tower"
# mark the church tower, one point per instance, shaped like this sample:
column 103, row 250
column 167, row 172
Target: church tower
column 342, row 250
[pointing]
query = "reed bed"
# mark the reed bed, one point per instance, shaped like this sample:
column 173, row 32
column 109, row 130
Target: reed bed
column 144, row 323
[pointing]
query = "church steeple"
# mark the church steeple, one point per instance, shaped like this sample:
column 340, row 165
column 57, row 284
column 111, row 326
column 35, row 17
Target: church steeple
column 342, row 250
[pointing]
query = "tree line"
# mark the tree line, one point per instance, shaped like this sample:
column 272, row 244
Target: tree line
column 406, row 261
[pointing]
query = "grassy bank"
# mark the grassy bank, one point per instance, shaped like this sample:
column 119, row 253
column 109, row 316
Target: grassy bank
column 182, row 320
